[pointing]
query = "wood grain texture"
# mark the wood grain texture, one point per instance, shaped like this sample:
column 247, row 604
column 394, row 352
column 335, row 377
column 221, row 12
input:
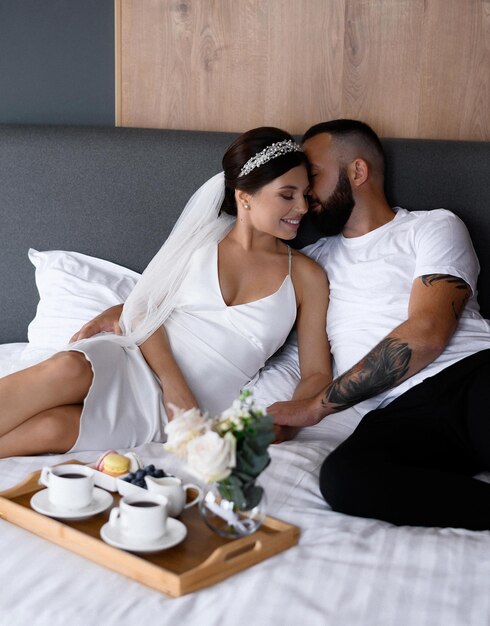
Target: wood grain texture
column 381, row 78
column 411, row 68
column 455, row 77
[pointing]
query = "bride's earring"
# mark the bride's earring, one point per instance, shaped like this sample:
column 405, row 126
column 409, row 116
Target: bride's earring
column 246, row 205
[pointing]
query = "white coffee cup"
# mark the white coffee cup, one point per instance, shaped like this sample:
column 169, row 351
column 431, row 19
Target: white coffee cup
column 141, row 517
column 175, row 491
column 69, row 486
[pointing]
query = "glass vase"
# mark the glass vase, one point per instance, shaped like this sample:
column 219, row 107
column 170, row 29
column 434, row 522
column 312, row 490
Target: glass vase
column 228, row 520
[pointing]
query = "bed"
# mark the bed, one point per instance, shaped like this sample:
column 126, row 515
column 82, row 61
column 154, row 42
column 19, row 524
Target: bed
column 113, row 194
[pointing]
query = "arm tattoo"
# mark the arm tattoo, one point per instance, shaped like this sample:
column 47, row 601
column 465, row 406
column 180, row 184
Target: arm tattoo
column 430, row 279
column 382, row 368
column 457, row 305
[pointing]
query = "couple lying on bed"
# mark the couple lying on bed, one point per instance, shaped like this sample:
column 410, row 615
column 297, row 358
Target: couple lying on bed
column 409, row 347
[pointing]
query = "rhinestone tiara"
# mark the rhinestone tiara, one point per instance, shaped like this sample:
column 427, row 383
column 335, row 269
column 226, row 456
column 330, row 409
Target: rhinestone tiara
column 269, row 153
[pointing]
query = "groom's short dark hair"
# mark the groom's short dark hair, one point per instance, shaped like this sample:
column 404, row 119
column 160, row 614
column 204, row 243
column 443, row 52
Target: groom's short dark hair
column 355, row 134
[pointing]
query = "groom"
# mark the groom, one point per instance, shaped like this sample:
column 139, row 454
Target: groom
column 411, row 349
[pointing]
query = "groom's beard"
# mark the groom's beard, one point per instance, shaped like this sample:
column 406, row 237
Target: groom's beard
column 332, row 214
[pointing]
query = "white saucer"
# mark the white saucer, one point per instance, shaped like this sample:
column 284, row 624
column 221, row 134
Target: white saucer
column 176, row 532
column 102, row 501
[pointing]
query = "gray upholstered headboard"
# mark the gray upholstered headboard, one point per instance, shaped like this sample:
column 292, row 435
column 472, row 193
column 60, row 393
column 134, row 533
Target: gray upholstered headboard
column 115, row 194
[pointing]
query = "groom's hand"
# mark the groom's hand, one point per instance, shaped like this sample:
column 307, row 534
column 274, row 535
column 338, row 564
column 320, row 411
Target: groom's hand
column 284, row 433
column 297, row 413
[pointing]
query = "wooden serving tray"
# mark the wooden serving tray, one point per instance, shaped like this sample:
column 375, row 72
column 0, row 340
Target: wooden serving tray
column 202, row 559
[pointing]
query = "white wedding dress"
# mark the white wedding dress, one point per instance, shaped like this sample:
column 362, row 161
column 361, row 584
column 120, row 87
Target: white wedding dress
column 219, row 348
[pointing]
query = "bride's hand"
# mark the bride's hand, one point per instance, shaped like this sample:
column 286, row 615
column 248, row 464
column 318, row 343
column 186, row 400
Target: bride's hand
column 173, row 405
column 107, row 321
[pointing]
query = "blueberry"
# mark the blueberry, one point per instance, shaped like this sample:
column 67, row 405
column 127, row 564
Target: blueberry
column 150, row 469
column 140, row 474
column 159, row 473
column 128, row 479
column 140, row 483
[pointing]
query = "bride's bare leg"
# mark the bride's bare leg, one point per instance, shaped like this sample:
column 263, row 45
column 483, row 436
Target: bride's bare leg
column 62, row 380
column 54, row 430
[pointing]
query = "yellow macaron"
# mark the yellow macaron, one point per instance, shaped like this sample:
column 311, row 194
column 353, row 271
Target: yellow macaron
column 115, row 464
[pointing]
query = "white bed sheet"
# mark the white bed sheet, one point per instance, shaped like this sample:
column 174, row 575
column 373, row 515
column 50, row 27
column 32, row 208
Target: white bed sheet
column 344, row 572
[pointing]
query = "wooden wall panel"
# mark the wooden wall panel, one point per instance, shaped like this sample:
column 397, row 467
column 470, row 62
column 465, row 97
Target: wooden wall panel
column 382, row 57
column 304, row 62
column 230, row 64
column 455, row 80
column 411, row 68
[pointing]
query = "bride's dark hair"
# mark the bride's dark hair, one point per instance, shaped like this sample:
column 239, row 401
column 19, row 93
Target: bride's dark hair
column 244, row 148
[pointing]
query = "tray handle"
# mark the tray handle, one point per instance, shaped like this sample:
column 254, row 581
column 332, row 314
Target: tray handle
column 235, row 552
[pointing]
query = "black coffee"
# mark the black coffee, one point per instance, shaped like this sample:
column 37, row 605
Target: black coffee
column 72, row 475
column 144, row 504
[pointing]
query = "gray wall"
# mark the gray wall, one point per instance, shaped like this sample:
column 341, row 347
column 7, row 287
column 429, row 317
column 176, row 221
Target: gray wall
column 57, row 62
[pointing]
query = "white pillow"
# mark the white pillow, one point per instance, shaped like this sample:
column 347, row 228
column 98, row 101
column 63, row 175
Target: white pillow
column 73, row 288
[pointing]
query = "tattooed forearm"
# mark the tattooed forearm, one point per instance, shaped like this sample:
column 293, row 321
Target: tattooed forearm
column 456, row 304
column 387, row 364
column 380, row 369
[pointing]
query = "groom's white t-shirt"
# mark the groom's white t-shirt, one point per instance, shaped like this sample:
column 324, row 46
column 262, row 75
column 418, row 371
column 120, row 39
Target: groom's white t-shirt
column 370, row 283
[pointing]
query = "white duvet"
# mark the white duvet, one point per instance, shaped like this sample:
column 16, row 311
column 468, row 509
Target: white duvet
column 344, row 572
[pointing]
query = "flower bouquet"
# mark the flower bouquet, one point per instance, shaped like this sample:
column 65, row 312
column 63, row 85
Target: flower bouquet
column 229, row 452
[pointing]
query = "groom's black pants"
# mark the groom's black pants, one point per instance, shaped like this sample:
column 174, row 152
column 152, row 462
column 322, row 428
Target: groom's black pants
column 413, row 461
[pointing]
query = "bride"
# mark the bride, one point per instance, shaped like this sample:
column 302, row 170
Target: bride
column 218, row 299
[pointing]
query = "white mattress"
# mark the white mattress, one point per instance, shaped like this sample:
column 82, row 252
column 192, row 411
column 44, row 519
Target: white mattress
column 345, row 571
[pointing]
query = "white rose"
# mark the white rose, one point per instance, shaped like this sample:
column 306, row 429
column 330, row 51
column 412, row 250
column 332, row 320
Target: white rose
column 185, row 426
column 211, row 457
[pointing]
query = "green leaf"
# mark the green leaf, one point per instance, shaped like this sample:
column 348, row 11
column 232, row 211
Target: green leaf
column 244, row 477
column 250, row 461
column 253, row 496
column 231, row 489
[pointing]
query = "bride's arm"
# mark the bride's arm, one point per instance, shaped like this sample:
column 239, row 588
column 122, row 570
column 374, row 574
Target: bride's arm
column 315, row 362
column 313, row 348
column 158, row 354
